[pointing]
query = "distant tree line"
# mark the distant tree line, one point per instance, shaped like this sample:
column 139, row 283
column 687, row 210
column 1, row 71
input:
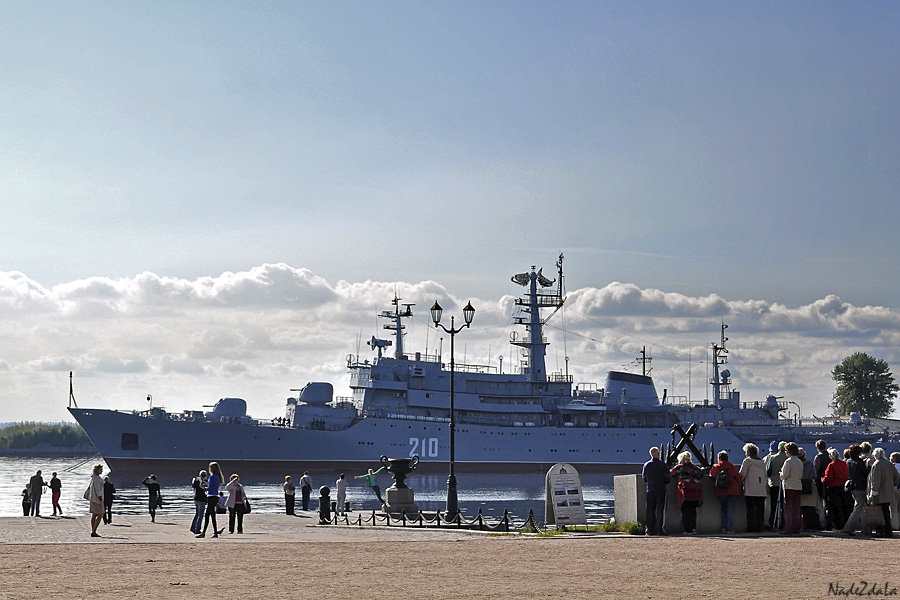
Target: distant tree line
column 30, row 435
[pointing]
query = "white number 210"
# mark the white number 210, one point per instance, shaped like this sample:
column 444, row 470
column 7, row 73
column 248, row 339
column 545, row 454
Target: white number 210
column 429, row 447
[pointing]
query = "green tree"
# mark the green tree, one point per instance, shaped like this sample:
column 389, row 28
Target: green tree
column 865, row 384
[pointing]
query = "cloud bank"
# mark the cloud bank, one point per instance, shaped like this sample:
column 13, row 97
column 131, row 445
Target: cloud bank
column 259, row 333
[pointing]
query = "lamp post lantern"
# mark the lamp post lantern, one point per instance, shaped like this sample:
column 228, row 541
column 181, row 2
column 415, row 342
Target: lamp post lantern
column 468, row 315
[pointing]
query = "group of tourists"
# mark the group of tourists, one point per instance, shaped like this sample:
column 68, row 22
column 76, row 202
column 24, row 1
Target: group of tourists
column 34, row 489
column 340, row 486
column 860, row 488
column 209, row 494
column 210, row 499
column 290, row 491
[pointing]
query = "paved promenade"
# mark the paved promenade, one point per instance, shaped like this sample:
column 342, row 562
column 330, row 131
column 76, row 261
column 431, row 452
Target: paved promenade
column 290, row 557
column 173, row 529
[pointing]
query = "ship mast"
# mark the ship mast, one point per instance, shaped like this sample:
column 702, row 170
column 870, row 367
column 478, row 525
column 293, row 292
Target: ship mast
column 645, row 362
column 720, row 357
column 535, row 299
column 72, row 392
column 396, row 325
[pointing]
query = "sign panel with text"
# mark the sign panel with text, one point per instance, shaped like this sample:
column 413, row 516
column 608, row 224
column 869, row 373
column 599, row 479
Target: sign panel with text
column 564, row 502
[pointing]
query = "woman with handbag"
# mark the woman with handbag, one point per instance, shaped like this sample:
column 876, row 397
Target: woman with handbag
column 94, row 494
column 235, row 503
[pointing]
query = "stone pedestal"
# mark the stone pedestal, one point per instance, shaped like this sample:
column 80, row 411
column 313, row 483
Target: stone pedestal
column 631, row 505
column 629, row 498
column 399, row 500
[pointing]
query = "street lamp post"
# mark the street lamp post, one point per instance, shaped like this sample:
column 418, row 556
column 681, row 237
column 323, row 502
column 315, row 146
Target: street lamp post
column 798, row 410
column 468, row 315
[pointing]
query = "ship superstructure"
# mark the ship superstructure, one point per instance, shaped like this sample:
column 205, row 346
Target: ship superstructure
column 515, row 421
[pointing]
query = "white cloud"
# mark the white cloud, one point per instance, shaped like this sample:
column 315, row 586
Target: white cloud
column 260, row 332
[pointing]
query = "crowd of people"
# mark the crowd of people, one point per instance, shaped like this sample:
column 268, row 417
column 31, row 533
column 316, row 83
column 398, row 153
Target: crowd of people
column 209, row 494
column 857, row 490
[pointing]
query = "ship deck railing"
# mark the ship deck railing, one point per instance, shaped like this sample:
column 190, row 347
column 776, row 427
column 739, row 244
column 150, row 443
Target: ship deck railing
column 459, row 421
column 466, row 368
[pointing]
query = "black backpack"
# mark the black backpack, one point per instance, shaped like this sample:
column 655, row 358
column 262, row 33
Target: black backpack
column 723, row 480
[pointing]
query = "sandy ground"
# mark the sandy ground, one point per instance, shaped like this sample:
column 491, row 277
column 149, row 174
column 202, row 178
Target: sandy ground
column 281, row 557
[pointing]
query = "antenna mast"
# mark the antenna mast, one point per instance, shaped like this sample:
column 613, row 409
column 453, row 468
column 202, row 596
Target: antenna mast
column 72, row 393
column 645, row 362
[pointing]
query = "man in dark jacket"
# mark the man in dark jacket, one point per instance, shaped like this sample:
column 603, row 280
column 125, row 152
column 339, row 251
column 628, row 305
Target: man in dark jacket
column 821, row 463
column 109, row 492
column 859, row 475
column 656, row 474
column 37, row 488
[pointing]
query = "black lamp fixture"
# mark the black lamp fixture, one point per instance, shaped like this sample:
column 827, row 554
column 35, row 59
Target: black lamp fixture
column 468, row 315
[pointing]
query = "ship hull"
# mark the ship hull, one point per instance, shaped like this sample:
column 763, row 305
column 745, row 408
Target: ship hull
column 134, row 445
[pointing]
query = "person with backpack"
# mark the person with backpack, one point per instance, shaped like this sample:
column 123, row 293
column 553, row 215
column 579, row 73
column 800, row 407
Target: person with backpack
column 690, row 491
column 727, row 480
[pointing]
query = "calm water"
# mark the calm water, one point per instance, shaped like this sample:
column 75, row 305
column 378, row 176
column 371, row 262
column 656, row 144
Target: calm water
column 490, row 493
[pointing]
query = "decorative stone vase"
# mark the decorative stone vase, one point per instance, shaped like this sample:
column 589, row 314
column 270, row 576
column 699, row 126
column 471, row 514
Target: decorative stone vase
column 399, row 498
column 400, row 468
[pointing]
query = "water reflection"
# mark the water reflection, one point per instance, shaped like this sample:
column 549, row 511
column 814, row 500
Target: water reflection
column 492, row 493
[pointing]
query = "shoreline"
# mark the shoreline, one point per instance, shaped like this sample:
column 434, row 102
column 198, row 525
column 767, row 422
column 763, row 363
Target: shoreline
column 42, row 452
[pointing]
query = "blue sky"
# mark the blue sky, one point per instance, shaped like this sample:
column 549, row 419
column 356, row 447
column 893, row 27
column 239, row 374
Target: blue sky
column 744, row 150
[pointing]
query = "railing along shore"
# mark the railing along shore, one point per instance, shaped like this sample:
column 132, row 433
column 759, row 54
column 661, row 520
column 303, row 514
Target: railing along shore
column 437, row 519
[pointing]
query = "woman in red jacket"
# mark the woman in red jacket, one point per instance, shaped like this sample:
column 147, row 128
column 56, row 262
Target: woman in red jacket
column 690, row 490
column 727, row 481
column 836, row 497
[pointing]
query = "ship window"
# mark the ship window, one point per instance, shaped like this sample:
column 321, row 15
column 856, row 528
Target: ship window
column 130, row 441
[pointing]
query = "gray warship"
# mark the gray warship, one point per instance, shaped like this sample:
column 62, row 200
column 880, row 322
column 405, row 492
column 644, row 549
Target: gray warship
column 524, row 421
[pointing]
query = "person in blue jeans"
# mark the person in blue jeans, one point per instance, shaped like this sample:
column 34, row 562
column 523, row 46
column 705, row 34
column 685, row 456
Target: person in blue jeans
column 656, row 475
column 199, row 486
column 212, row 500
column 725, row 492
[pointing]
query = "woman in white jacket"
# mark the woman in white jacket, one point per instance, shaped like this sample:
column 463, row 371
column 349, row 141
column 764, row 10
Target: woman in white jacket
column 791, row 474
column 753, row 476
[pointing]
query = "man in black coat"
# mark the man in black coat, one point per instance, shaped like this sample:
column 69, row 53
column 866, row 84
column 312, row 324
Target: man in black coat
column 37, row 488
